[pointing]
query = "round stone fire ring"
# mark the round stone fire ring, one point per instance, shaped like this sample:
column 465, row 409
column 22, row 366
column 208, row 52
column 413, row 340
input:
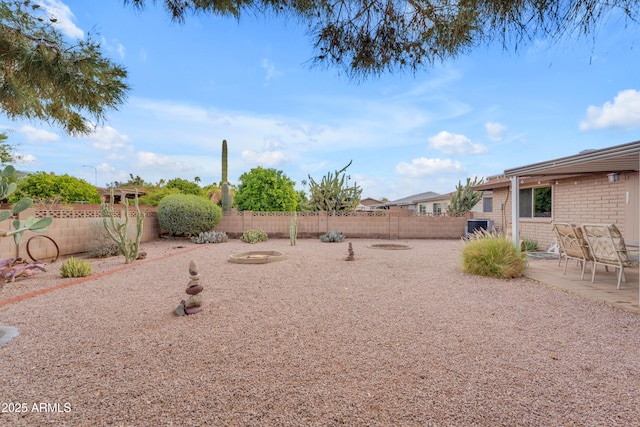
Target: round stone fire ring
column 256, row 257
column 390, row 246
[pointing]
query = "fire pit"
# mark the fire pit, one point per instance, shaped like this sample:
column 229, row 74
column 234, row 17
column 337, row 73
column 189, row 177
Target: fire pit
column 256, row 257
column 389, row 246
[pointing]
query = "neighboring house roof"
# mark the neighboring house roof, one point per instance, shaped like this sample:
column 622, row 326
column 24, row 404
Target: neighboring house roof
column 410, row 200
column 369, row 201
column 119, row 192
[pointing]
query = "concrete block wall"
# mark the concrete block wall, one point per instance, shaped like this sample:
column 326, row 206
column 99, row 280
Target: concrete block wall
column 71, row 232
column 376, row 224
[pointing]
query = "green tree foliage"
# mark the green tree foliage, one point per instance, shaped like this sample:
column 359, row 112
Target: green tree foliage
column 188, row 215
column 44, row 77
column 154, row 195
column 134, row 181
column 371, row 37
column 185, row 187
column 333, row 193
column 465, row 198
column 263, row 190
column 7, row 151
column 66, row 188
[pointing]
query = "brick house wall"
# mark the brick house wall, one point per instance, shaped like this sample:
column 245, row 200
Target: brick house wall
column 578, row 200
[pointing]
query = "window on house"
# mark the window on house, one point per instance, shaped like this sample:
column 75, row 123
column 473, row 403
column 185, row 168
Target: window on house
column 423, row 208
column 437, row 208
column 487, row 204
column 535, row 202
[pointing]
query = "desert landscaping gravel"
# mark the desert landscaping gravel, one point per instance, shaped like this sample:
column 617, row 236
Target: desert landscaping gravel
column 392, row 338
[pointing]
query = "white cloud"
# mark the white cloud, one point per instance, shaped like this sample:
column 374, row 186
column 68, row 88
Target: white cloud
column 147, row 159
column 270, row 69
column 423, row 166
column 107, row 138
column 27, row 159
column 38, row 135
column 116, row 47
column 623, row 112
column 265, row 159
column 450, row 144
column 64, row 18
column 495, row 131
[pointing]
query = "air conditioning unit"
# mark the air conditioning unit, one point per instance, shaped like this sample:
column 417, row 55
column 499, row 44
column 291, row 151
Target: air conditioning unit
column 478, row 223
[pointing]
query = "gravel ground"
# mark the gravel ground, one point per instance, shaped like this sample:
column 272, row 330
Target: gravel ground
column 393, row 338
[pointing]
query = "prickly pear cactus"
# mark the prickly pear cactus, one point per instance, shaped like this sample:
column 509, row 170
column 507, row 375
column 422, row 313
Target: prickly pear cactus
column 31, row 223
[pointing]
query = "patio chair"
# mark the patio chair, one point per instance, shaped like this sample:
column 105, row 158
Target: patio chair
column 572, row 245
column 607, row 248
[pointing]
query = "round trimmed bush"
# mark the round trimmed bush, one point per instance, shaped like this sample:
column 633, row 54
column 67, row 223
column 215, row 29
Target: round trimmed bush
column 187, row 215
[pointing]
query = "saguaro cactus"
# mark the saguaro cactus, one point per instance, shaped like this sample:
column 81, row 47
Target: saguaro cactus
column 118, row 230
column 293, row 229
column 226, row 199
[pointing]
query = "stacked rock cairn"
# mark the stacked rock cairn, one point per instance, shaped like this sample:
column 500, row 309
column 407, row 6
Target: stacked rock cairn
column 193, row 304
column 351, row 255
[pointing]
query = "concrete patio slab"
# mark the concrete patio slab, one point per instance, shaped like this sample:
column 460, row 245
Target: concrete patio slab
column 603, row 289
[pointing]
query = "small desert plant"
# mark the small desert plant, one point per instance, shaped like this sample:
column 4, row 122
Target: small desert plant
column 100, row 244
column 481, row 233
column 493, row 257
column 254, row 236
column 529, row 245
column 332, row 236
column 210, row 237
column 15, row 267
column 74, row 267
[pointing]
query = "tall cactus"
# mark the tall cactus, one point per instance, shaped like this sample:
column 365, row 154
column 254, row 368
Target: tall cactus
column 31, row 223
column 226, row 202
column 293, row 229
column 465, row 198
column 118, row 231
column 334, row 193
column 224, row 161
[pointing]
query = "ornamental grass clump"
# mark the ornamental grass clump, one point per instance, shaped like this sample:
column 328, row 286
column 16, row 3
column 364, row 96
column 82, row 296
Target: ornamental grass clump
column 493, row 257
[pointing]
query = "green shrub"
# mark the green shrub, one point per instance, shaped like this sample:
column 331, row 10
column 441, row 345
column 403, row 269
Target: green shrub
column 187, row 215
column 332, row 236
column 493, row 257
column 254, row 236
column 100, row 244
column 529, row 245
column 210, row 237
column 74, row 267
column 154, row 195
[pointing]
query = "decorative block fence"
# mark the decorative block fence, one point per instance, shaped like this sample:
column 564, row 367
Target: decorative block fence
column 379, row 224
column 74, row 227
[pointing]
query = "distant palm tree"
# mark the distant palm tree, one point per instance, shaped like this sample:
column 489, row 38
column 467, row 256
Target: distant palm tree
column 197, row 179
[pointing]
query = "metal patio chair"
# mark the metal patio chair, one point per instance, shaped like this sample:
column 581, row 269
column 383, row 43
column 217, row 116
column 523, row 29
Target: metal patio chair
column 572, row 245
column 608, row 248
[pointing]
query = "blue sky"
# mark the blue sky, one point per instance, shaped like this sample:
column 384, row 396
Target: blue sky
column 251, row 83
